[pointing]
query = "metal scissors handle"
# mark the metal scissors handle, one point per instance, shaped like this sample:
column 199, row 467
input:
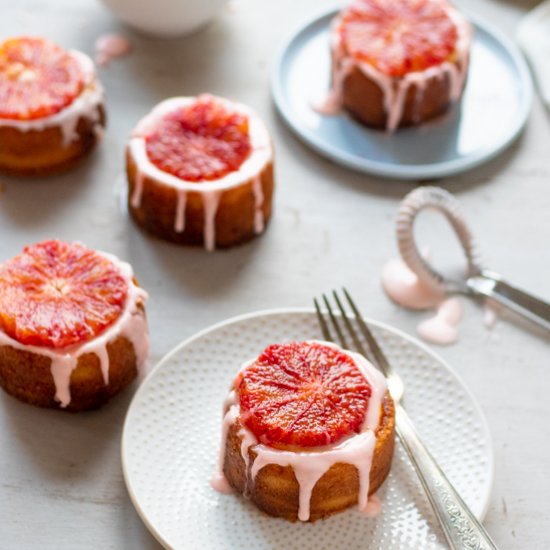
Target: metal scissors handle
column 477, row 281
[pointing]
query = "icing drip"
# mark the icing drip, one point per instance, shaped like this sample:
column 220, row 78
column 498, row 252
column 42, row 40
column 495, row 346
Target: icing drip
column 210, row 201
column 247, row 440
column 219, row 481
column 341, row 67
column 259, row 221
column 179, row 223
column 131, row 324
column 395, row 90
column 373, row 508
column 309, row 466
column 86, row 105
column 103, row 357
column 138, row 190
column 249, row 173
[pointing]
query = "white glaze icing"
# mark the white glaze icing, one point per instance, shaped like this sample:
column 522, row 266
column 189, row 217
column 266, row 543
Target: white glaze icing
column 395, row 90
column 179, row 223
column 211, row 191
column 86, row 105
column 257, row 189
column 131, row 324
column 211, row 200
column 109, row 47
column 309, row 466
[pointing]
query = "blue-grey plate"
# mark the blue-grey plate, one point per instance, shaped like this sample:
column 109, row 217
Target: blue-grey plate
column 492, row 113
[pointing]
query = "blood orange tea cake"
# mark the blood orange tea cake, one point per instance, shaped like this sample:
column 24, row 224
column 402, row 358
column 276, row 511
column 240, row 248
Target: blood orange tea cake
column 72, row 326
column 51, row 106
column 308, row 431
column 398, row 63
column 200, row 172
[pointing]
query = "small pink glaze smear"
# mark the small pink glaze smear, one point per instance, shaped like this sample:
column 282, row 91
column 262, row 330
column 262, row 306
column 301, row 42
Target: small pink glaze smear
column 373, row 507
column 491, row 312
column 405, row 289
column 219, row 483
column 111, row 46
column 442, row 328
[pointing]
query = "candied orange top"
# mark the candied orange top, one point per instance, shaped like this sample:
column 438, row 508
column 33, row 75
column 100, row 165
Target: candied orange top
column 37, row 78
column 398, row 36
column 57, row 294
column 203, row 141
column 304, row 394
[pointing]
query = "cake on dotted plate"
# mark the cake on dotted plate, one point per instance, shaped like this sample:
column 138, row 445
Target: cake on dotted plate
column 308, row 431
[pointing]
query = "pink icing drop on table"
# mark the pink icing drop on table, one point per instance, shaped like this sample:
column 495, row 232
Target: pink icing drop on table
column 442, row 328
column 111, row 46
column 404, row 287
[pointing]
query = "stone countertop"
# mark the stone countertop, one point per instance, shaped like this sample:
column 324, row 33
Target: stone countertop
column 62, row 483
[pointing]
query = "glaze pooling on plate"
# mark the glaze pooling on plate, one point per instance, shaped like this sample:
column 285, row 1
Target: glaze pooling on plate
column 131, row 324
column 394, row 89
column 312, row 463
column 86, row 105
column 210, row 191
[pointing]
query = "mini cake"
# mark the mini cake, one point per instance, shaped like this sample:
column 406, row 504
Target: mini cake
column 51, row 107
column 72, row 326
column 398, row 63
column 200, row 172
column 308, row 431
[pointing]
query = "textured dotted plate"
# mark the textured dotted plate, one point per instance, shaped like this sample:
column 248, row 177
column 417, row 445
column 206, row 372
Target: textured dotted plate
column 171, row 436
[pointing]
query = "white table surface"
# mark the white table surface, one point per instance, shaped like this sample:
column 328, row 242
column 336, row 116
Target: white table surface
column 61, row 483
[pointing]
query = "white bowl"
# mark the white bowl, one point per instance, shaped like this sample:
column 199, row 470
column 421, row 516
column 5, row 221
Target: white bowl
column 165, row 18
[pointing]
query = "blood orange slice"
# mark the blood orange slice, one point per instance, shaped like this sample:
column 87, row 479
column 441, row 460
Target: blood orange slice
column 203, row 141
column 303, row 393
column 37, row 78
column 57, row 294
column 399, row 36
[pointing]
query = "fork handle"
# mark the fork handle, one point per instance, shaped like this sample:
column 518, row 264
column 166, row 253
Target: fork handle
column 461, row 528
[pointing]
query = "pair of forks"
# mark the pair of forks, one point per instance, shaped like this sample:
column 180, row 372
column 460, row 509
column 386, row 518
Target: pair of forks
column 461, row 528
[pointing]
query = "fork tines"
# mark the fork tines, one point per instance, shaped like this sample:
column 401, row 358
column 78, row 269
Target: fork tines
column 373, row 352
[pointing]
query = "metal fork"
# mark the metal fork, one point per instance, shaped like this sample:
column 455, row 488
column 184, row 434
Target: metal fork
column 461, row 528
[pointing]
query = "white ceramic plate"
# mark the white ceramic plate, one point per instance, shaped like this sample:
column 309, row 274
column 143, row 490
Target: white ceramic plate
column 172, row 431
column 495, row 106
